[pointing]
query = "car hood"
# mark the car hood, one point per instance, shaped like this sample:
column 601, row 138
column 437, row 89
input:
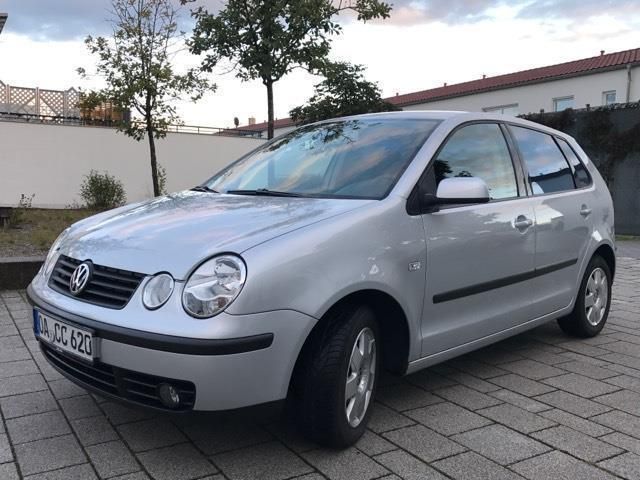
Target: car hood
column 175, row 232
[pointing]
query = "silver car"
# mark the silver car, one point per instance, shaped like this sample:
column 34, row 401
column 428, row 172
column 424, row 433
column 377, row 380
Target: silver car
column 394, row 240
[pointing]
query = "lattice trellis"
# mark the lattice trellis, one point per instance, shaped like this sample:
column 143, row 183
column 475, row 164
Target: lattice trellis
column 23, row 100
column 35, row 101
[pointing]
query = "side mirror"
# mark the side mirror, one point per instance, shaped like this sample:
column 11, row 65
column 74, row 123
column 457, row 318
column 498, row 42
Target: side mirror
column 458, row 191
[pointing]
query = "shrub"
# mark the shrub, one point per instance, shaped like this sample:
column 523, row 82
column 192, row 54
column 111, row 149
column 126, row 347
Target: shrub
column 101, row 191
column 16, row 216
column 162, row 180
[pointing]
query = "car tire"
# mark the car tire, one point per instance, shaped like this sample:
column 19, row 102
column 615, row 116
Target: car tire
column 329, row 366
column 592, row 304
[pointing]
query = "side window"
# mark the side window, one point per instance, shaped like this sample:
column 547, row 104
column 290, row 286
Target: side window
column 580, row 174
column 478, row 150
column 548, row 170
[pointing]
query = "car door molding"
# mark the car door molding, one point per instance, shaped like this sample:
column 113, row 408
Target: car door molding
column 500, row 282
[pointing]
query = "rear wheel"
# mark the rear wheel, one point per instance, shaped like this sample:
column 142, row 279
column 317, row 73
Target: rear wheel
column 593, row 302
column 336, row 381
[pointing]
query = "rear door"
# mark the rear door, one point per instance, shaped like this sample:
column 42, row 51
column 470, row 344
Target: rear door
column 562, row 205
column 477, row 255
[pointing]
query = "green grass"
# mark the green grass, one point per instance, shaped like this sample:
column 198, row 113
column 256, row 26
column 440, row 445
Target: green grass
column 627, row 238
column 37, row 230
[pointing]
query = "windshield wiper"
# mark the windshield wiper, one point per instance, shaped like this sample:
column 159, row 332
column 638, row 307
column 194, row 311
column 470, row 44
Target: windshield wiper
column 265, row 193
column 204, row 188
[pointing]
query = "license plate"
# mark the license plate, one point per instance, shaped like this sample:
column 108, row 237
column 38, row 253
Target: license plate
column 65, row 337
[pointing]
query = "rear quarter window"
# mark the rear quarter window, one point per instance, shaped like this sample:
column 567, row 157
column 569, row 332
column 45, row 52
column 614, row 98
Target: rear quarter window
column 580, row 174
column 548, row 170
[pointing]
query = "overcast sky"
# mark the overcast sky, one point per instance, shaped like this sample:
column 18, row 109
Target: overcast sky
column 424, row 44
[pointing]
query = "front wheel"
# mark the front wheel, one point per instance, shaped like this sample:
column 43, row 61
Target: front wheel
column 337, row 379
column 593, row 302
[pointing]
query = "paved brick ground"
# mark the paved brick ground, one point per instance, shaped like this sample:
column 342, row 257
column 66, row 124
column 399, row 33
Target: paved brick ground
column 538, row 406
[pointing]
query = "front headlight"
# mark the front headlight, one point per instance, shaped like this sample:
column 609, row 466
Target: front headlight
column 157, row 291
column 54, row 253
column 213, row 286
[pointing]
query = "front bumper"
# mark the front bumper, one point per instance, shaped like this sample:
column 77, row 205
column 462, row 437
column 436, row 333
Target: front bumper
column 226, row 373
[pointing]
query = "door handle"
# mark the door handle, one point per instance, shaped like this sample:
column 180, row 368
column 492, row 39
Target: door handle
column 585, row 211
column 522, row 222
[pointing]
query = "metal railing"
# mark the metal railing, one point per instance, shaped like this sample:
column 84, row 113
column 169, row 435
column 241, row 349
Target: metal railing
column 77, row 121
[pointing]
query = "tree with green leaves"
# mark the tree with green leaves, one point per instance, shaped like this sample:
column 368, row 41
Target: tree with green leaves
column 344, row 91
column 267, row 39
column 136, row 64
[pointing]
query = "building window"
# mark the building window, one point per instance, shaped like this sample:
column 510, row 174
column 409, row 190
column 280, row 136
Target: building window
column 562, row 103
column 609, row 98
column 511, row 109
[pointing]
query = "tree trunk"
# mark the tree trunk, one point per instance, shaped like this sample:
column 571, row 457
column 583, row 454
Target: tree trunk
column 269, row 85
column 154, row 162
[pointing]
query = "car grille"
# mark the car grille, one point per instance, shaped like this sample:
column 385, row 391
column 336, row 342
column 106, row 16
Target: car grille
column 132, row 386
column 108, row 287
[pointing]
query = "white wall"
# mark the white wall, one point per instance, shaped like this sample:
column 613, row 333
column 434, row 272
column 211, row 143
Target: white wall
column 50, row 160
column 585, row 89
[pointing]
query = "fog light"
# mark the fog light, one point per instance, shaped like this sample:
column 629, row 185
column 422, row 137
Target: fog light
column 168, row 395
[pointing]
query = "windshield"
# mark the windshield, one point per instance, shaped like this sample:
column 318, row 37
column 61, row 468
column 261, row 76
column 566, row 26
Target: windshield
column 358, row 158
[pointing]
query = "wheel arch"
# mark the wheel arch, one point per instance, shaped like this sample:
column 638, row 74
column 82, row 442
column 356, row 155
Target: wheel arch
column 607, row 253
column 392, row 321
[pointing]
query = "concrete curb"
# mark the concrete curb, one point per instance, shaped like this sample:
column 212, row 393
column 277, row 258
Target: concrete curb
column 17, row 272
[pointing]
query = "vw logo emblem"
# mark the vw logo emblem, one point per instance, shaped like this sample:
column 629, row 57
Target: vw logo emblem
column 79, row 279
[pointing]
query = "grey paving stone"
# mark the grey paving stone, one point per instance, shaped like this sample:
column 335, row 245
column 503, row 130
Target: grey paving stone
column 532, row 369
column 588, row 370
column 17, row 368
column 627, row 466
column 290, row 435
column 373, row 444
column 213, row 437
column 521, row 385
column 516, row 418
column 500, row 444
column 623, row 441
column 627, row 382
column 624, row 400
column 267, row 461
column 408, row 467
column 467, row 397
column 150, row 434
column 111, row 459
column 144, row 476
column 559, row 466
column 79, row 407
column 348, row 464
column 627, row 348
column 573, row 403
column 119, row 414
column 5, row 449
column 583, row 348
column 8, row 471
column 429, row 380
column 77, row 472
column 473, row 382
column 576, row 443
column 471, row 465
column 405, row 397
column 179, row 462
column 620, row 421
column 577, row 423
column 49, row 454
column 521, row 401
column 384, row 419
column 447, row 418
column 93, row 430
column 27, row 404
column 423, row 443
column 64, row 388
column 475, row 367
column 13, row 341
column 22, row 384
column 37, row 427
column 581, row 385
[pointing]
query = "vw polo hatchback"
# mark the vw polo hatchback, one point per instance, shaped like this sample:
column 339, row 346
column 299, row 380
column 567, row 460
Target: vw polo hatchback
column 394, row 240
